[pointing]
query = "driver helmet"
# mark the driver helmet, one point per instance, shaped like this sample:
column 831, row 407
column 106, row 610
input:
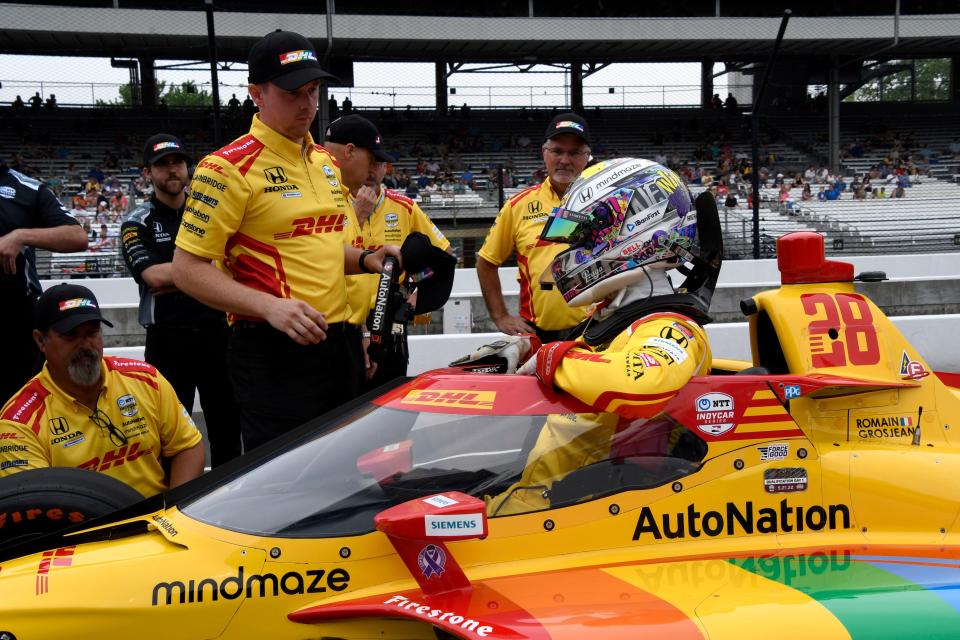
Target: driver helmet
column 621, row 217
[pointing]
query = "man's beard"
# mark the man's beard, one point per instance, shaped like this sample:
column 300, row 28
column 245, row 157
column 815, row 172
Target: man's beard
column 167, row 187
column 84, row 367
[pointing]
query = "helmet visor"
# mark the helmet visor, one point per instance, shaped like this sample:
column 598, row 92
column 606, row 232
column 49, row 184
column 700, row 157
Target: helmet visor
column 565, row 225
column 599, row 223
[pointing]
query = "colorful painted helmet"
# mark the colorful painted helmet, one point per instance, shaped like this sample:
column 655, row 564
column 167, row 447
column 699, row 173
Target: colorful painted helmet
column 620, row 217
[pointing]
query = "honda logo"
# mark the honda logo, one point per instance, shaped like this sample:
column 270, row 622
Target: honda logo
column 534, row 207
column 586, row 194
column 275, row 175
column 59, row 426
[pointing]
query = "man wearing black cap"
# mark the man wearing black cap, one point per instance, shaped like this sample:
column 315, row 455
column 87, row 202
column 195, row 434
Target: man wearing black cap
column 30, row 216
column 186, row 340
column 566, row 151
column 113, row 415
column 270, row 207
column 378, row 217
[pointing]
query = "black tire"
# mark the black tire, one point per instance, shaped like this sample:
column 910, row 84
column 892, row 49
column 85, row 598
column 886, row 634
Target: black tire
column 40, row 501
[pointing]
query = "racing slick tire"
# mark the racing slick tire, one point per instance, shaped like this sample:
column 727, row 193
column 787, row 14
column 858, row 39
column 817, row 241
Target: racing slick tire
column 40, row 501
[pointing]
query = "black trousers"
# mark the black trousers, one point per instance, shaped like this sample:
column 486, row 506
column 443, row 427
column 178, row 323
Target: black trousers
column 195, row 359
column 21, row 357
column 280, row 384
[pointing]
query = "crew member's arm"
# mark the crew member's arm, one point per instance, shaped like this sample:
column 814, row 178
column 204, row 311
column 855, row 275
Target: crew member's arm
column 55, row 230
column 489, row 276
column 187, row 465
column 372, row 261
column 180, row 440
column 496, row 248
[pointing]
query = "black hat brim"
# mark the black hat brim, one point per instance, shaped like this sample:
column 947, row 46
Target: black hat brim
column 68, row 324
column 419, row 254
column 296, row 79
column 382, row 155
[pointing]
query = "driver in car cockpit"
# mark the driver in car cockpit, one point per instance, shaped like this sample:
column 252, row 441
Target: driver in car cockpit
column 629, row 223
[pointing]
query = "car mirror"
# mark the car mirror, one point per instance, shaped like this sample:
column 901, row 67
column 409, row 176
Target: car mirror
column 440, row 517
column 386, row 463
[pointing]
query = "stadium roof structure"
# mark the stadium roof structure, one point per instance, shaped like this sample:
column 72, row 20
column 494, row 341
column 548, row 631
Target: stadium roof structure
column 172, row 34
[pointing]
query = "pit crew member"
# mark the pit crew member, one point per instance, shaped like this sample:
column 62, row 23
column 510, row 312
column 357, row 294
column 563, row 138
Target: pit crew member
column 113, row 415
column 271, row 207
column 378, row 217
column 186, row 340
column 566, row 150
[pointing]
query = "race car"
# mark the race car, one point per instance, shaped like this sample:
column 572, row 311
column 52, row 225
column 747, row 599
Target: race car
column 810, row 493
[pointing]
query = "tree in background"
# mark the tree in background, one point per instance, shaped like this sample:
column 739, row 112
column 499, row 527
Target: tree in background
column 932, row 81
column 186, row 94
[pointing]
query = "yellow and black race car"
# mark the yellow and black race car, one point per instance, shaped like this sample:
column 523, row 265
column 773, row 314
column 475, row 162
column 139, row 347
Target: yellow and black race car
column 814, row 495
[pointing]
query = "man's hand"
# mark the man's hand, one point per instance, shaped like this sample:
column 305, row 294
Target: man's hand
column 370, row 367
column 374, row 261
column 301, row 322
column 365, row 202
column 513, row 325
column 10, row 247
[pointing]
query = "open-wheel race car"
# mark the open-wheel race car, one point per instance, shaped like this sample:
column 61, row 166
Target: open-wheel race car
column 811, row 493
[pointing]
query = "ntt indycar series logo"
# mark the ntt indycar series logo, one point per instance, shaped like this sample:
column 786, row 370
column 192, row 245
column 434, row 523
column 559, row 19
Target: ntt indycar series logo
column 737, row 519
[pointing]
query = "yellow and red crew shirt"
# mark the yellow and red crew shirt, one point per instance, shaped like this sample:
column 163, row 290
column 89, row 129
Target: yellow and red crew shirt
column 43, row 426
column 518, row 227
column 273, row 212
column 392, row 220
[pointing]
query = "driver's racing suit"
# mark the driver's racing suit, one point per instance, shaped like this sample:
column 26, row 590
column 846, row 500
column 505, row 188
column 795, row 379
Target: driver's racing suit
column 633, row 378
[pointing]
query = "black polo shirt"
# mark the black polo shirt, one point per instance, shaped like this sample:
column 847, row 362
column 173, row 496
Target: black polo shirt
column 147, row 238
column 26, row 204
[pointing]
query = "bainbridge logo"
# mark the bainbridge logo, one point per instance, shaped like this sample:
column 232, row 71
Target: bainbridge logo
column 297, row 56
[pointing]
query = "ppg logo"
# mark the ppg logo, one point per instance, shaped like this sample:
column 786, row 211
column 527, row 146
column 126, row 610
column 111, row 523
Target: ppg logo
column 704, row 404
column 791, row 391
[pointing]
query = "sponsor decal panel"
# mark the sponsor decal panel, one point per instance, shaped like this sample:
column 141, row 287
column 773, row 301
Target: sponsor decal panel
column 737, row 519
column 439, row 501
column 778, row 451
column 785, row 480
column 677, row 353
column 255, row 585
column 452, row 398
column 465, row 524
column 432, row 614
column 791, row 391
column 205, row 199
column 207, row 180
column 715, row 413
column 62, row 557
column 128, row 405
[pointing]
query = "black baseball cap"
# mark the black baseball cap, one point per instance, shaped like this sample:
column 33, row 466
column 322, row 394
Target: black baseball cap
column 360, row 132
column 66, row 306
column 568, row 123
column 160, row 146
column 286, row 59
column 431, row 270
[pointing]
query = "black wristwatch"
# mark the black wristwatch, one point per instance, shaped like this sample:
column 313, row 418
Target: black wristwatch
column 363, row 256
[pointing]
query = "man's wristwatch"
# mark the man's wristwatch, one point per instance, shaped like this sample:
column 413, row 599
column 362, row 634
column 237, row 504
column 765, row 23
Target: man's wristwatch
column 363, row 257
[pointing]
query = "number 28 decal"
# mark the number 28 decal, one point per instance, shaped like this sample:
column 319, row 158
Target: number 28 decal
column 858, row 343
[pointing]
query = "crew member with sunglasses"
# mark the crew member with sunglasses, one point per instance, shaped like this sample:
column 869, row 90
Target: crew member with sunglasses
column 566, row 150
column 114, row 415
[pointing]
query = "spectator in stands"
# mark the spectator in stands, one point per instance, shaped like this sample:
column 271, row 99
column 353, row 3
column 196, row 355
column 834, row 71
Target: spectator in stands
column 467, row 179
column 36, row 101
column 347, row 106
column 730, row 104
column 30, row 217
column 807, row 194
column 93, row 396
column 291, row 349
column 716, row 102
column 566, row 150
column 186, row 340
column 106, row 243
column 412, row 190
column 17, row 103
column 432, row 167
column 899, row 192
column 822, row 194
column 333, row 109
column 51, row 102
column 248, row 109
column 809, row 174
column 233, row 106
